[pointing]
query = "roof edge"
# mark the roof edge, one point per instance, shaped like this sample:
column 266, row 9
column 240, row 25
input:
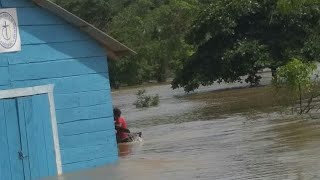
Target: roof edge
column 114, row 48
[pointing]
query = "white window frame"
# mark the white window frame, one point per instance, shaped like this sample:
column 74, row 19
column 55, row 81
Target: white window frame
column 36, row 90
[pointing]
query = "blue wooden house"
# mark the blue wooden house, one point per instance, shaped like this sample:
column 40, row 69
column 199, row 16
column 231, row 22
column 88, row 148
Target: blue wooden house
column 55, row 99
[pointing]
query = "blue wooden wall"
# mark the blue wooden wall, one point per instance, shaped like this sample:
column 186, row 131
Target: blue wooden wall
column 54, row 52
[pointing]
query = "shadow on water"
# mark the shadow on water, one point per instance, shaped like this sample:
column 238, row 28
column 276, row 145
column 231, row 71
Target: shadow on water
column 233, row 134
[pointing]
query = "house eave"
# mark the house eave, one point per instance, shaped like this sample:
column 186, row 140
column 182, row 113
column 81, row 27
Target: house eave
column 114, row 48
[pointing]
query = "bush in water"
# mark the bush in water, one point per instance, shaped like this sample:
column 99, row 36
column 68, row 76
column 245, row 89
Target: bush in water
column 298, row 85
column 145, row 101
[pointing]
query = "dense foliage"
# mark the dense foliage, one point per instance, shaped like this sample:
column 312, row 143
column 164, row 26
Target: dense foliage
column 236, row 38
column 203, row 41
column 155, row 29
column 298, row 84
column 97, row 12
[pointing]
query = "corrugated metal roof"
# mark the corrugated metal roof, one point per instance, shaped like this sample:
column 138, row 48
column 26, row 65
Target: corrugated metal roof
column 114, row 48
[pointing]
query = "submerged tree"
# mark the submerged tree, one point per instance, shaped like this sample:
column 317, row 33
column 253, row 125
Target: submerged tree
column 146, row 101
column 236, row 38
column 297, row 83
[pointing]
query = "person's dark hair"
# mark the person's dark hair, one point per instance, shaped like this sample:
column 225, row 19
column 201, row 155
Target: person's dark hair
column 116, row 112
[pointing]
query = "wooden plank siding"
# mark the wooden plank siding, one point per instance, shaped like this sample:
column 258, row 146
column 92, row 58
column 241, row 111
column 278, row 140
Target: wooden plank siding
column 84, row 113
column 39, row 34
column 97, row 151
column 82, row 99
column 92, row 163
column 4, row 74
column 86, row 139
column 32, row 16
column 72, row 84
column 85, row 126
column 58, row 69
column 16, row 3
column 3, row 61
column 54, row 52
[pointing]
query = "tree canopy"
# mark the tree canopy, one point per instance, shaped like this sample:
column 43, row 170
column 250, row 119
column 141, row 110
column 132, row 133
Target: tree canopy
column 235, row 38
column 155, row 29
column 200, row 42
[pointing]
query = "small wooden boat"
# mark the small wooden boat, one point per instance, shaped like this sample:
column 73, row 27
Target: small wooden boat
column 126, row 148
column 133, row 137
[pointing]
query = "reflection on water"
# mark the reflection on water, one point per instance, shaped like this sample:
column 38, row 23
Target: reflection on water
column 206, row 136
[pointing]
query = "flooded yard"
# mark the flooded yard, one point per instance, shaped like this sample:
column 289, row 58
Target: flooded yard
column 232, row 134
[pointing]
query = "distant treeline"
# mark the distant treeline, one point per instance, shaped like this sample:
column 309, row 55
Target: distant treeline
column 198, row 42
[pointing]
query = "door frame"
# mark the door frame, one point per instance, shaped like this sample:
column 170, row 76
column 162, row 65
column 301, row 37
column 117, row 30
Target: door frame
column 37, row 90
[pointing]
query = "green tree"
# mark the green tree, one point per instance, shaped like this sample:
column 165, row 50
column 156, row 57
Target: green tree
column 295, row 79
column 236, row 38
column 287, row 6
column 153, row 28
column 156, row 30
column 97, row 12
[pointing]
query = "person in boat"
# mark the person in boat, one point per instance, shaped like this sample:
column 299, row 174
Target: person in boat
column 121, row 127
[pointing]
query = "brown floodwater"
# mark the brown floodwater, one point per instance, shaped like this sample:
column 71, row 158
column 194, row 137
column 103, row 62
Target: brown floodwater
column 231, row 134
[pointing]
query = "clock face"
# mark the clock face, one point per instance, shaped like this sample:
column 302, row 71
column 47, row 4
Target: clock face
column 8, row 30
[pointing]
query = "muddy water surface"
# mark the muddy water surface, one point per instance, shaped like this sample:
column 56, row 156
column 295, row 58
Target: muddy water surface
column 232, row 134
